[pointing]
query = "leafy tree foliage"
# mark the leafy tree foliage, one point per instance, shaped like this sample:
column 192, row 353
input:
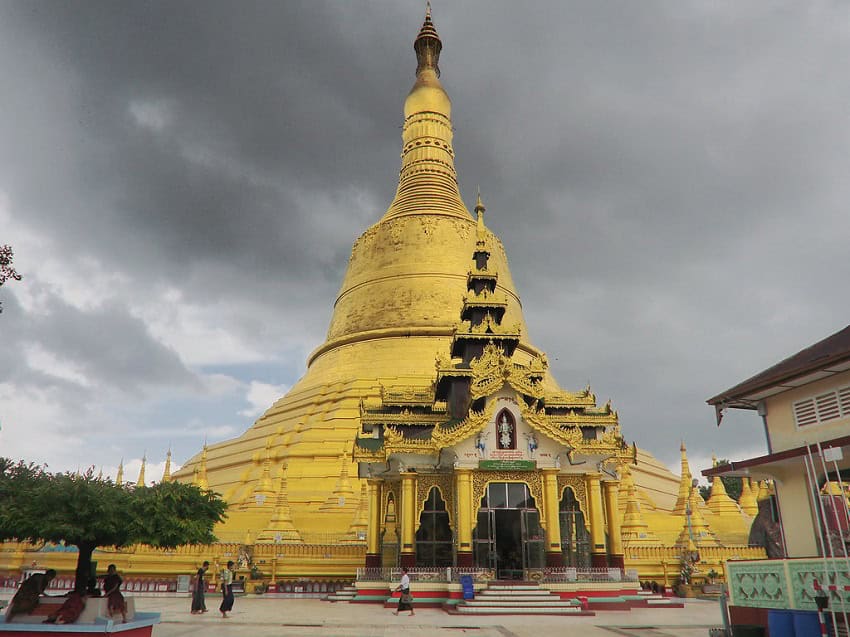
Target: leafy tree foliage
column 89, row 512
column 733, row 485
column 6, row 270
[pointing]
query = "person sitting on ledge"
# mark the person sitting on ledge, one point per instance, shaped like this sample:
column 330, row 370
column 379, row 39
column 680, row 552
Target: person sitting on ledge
column 70, row 610
column 112, row 591
column 26, row 599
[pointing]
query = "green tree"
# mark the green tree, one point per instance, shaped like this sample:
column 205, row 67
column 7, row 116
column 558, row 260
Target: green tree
column 732, row 485
column 7, row 272
column 88, row 512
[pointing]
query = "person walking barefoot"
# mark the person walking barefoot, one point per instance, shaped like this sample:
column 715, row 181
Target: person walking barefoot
column 226, row 590
column 198, row 603
column 405, row 600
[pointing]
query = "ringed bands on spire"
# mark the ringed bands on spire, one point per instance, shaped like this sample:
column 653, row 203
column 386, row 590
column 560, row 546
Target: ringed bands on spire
column 428, row 180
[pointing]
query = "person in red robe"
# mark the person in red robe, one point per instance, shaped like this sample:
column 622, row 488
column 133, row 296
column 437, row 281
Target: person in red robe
column 112, row 591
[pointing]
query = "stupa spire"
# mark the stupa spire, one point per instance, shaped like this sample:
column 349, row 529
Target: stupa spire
column 281, row 527
column 264, row 490
column 361, row 517
column 481, row 233
column 684, row 484
column 427, row 183
column 342, row 497
column 141, row 481
column 427, row 45
column 200, row 477
column 166, row 473
column 635, row 532
column 748, row 498
column 719, row 501
column 119, row 479
column 695, row 530
column 764, row 491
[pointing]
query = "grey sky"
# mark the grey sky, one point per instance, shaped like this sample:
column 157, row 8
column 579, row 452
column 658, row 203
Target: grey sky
column 182, row 184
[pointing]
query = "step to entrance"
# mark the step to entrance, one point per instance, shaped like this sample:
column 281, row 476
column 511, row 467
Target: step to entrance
column 521, row 598
column 546, row 603
column 345, row 594
column 501, row 610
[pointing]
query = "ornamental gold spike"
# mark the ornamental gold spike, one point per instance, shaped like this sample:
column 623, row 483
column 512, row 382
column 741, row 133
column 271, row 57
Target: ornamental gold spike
column 141, row 481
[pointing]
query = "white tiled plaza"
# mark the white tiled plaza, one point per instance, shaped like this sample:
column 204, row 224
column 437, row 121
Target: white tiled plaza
column 261, row 617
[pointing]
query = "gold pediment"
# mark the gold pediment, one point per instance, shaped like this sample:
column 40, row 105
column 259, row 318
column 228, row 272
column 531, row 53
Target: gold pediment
column 572, row 435
column 449, row 435
column 493, row 369
column 396, row 442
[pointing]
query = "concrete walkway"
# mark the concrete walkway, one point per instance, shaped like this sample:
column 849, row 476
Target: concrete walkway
column 264, row 617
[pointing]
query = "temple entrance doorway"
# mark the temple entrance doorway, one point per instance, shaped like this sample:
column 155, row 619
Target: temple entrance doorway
column 508, row 537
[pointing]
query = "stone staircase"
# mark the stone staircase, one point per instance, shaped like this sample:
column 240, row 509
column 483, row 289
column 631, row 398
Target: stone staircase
column 516, row 598
column 345, row 594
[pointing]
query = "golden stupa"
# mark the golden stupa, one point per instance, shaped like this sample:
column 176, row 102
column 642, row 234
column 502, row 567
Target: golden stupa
column 407, row 300
column 397, row 310
column 427, row 401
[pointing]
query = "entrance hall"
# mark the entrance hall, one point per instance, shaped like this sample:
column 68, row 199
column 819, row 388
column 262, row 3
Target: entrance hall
column 508, row 538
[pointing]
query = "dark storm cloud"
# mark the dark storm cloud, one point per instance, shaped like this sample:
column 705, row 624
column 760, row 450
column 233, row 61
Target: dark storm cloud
column 103, row 347
column 669, row 179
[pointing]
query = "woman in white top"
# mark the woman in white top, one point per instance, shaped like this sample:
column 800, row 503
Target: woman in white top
column 405, row 600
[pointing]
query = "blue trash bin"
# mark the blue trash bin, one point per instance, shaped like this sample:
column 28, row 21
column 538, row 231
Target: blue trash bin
column 780, row 623
column 467, row 586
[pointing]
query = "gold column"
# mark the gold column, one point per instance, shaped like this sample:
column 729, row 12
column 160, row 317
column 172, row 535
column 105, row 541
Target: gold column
column 465, row 513
column 598, row 556
column 554, row 556
column 373, row 530
column 408, row 519
column 615, row 533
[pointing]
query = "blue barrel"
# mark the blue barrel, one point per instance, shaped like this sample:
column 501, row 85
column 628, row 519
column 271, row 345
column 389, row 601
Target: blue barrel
column 807, row 624
column 780, row 623
column 467, row 586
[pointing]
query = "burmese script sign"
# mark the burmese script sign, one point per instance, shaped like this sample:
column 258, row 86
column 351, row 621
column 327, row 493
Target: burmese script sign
column 507, row 465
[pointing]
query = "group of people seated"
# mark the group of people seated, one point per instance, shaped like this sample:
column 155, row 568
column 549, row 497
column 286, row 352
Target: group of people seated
column 29, row 594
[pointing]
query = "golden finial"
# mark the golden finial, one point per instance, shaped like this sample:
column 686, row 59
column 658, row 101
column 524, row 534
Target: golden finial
column 201, row 480
column 479, row 210
column 428, row 10
column 427, row 45
column 166, row 474
column 141, row 481
column 119, row 479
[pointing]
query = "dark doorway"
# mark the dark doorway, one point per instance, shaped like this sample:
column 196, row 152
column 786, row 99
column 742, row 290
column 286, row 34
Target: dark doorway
column 508, row 537
column 509, row 543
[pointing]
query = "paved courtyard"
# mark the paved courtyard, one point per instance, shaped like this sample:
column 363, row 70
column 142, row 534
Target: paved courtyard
column 261, row 617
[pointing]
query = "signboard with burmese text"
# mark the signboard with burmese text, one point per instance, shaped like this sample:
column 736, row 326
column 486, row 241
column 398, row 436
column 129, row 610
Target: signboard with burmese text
column 507, row 465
